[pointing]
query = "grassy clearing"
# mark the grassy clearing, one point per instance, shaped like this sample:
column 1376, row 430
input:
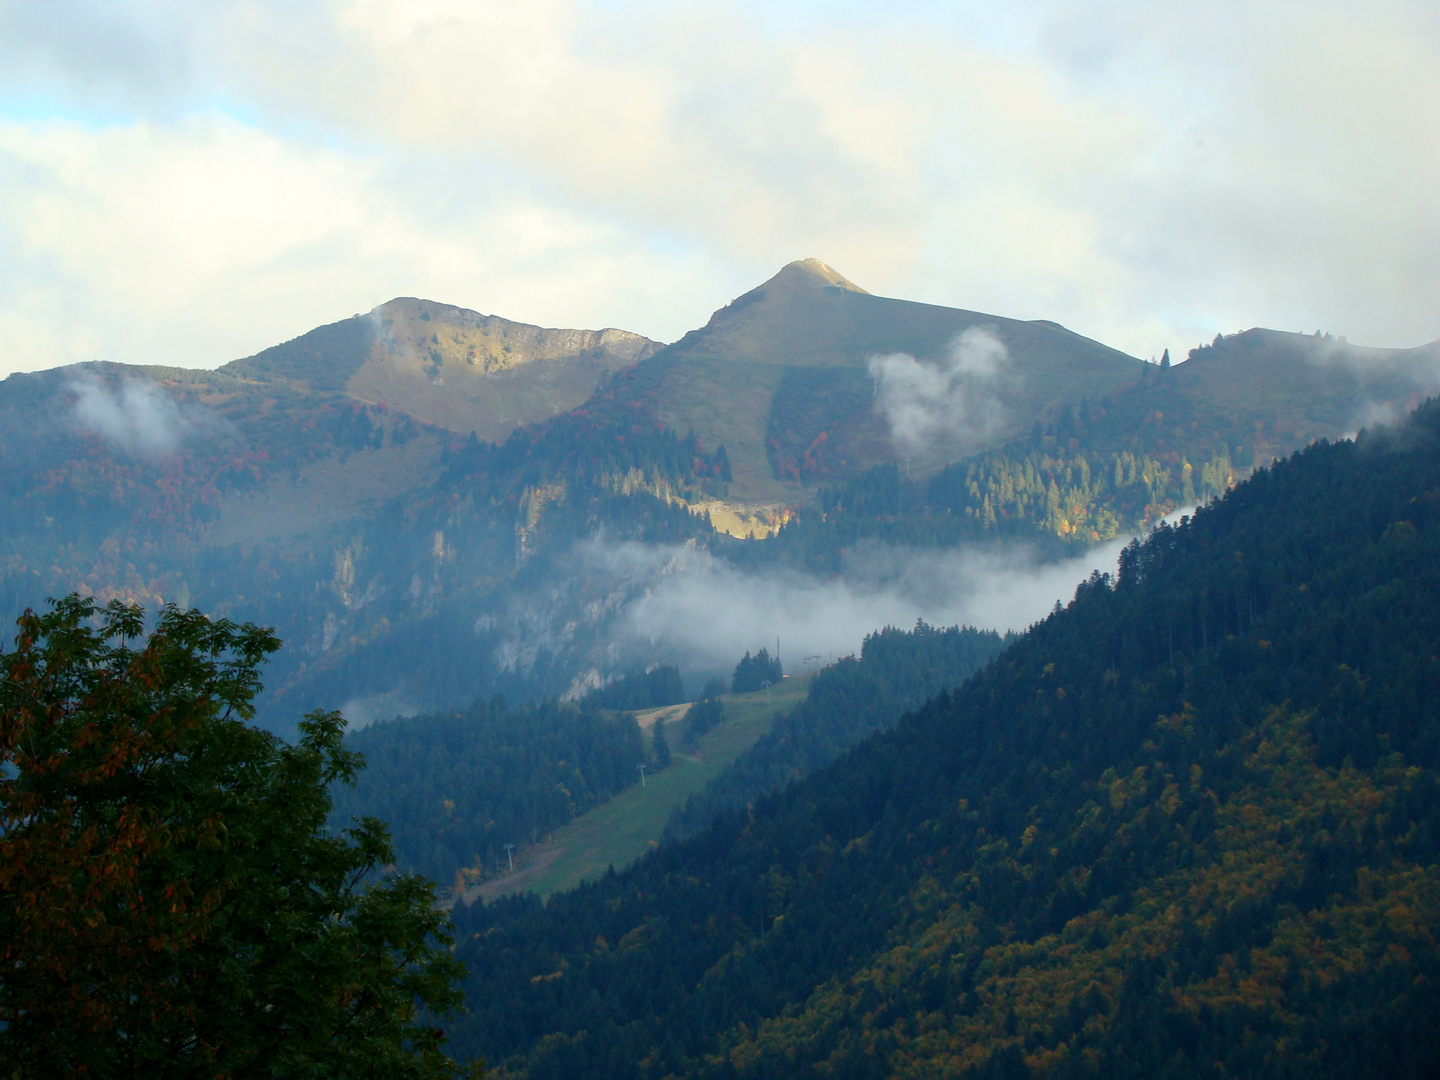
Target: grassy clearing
column 619, row 832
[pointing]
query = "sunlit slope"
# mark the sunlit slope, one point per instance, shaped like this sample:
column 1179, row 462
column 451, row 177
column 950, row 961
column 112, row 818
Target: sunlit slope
column 451, row 367
column 788, row 361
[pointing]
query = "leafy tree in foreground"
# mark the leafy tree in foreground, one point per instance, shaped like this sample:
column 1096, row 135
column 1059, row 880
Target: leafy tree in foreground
column 171, row 904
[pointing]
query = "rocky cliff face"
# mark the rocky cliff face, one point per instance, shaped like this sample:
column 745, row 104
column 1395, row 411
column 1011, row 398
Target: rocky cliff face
column 449, row 366
column 464, row 371
column 441, row 336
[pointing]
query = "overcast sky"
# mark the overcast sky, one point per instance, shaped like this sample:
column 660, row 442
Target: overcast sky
column 188, row 181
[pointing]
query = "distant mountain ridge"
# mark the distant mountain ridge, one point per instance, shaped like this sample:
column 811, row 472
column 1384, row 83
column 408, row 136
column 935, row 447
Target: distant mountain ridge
column 407, row 494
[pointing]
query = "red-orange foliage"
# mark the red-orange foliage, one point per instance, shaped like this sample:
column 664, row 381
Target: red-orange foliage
column 171, row 903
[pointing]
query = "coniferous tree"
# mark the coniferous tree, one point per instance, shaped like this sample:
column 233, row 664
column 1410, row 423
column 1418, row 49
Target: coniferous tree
column 659, row 745
column 756, row 672
column 703, row 716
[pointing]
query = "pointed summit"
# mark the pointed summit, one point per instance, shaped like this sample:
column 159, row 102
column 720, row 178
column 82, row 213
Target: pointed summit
column 812, row 273
column 781, row 376
column 803, row 282
column 796, row 281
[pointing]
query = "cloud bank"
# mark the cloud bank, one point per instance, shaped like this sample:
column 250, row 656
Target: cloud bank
column 189, row 183
column 704, row 612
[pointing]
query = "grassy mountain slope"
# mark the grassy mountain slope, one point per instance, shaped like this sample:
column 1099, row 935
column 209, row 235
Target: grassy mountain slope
column 849, row 701
column 1189, row 825
column 265, row 445
column 615, row 834
column 788, row 360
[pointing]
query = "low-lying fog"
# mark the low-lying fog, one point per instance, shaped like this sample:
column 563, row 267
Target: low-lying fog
column 702, row 612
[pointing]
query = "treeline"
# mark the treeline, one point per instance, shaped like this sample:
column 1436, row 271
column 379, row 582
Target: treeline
column 756, row 672
column 1091, row 471
column 1189, row 825
column 846, row 703
column 455, row 789
column 1057, row 499
column 651, row 689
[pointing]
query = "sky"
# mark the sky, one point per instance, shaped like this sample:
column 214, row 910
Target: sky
column 189, row 181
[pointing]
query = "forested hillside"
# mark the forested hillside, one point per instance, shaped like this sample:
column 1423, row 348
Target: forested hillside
column 896, row 671
column 455, row 789
column 1189, row 825
column 1114, row 463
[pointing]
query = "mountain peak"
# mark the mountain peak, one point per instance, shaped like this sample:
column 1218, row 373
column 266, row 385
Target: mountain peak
column 812, row 273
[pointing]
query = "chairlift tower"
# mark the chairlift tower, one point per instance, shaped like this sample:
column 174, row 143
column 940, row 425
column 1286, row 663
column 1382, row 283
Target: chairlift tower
column 510, row 858
column 641, row 767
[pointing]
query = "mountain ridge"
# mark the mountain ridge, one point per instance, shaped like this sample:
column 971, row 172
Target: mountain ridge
column 364, row 526
column 449, row 366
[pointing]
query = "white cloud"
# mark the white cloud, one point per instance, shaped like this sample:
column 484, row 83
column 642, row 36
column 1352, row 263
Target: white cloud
column 135, row 416
column 1147, row 175
column 201, row 242
column 946, row 408
column 705, row 612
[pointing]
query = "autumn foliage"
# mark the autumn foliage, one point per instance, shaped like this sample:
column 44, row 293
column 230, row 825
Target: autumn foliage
column 170, row 902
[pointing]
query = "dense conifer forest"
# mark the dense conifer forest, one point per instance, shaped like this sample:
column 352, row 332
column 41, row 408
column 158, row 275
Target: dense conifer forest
column 651, row 689
column 1189, row 824
column 456, row 788
column 756, row 672
column 896, row 671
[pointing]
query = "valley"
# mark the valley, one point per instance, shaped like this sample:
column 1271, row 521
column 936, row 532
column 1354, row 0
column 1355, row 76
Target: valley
column 1170, row 827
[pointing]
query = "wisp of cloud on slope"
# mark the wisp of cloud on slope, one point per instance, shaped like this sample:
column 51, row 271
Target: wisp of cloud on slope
column 136, row 416
column 951, row 406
